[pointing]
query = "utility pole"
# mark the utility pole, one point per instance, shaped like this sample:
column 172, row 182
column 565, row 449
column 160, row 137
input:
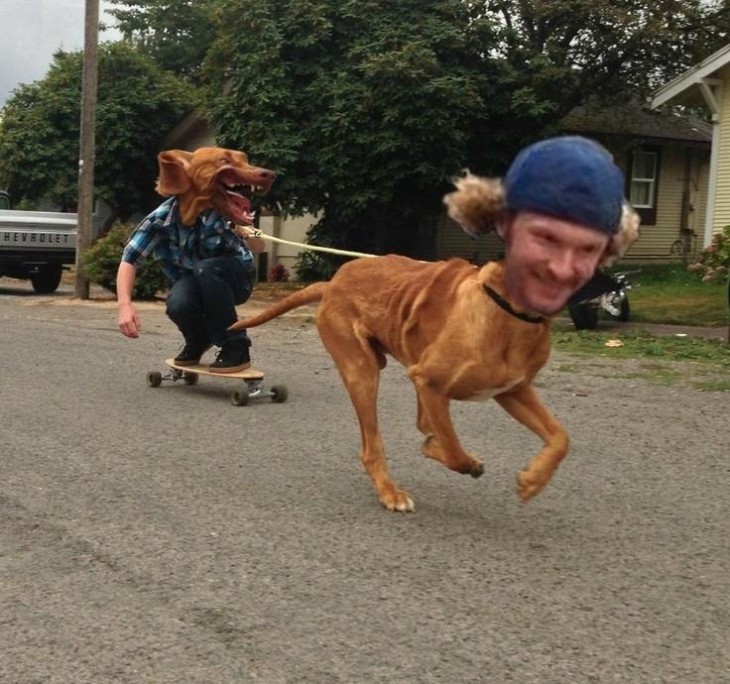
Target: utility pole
column 87, row 145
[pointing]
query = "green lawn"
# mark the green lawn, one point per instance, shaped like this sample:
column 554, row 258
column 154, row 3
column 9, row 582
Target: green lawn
column 667, row 360
column 664, row 294
column 668, row 293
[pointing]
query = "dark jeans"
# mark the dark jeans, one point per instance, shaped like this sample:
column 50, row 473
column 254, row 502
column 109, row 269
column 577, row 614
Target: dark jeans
column 202, row 303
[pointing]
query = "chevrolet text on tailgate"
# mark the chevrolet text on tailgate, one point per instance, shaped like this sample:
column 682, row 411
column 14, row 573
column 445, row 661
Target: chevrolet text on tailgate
column 36, row 245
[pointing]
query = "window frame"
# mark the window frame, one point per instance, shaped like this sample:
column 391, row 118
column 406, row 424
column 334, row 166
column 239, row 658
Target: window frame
column 648, row 214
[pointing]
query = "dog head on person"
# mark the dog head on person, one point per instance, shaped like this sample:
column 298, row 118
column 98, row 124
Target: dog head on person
column 212, row 178
column 561, row 213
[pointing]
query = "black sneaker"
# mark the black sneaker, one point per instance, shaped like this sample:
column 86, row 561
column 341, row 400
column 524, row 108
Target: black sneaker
column 233, row 356
column 191, row 353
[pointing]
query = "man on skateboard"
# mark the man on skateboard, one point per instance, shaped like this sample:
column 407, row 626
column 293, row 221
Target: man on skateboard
column 203, row 237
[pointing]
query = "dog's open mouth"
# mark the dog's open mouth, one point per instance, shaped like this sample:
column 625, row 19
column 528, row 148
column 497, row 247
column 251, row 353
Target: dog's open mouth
column 237, row 202
column 246, row 191
column 238, row 196
column 237, row 190
column 243, row 193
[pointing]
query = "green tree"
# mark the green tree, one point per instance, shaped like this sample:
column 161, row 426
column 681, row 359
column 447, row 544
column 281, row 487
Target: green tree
column 559, row 53
column 364, row 108
column 176, row 34
column 138, row 104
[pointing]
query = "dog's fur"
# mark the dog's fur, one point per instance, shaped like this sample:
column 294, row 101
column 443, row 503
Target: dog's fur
column 455, row 342
column 211, row 178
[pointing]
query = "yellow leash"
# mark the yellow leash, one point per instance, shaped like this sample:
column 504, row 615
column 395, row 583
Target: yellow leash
column 330, row 250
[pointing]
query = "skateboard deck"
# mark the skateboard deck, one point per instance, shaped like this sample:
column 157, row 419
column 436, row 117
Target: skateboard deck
column 202, row 369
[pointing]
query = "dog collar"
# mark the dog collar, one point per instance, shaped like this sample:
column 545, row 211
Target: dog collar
column 504, row 304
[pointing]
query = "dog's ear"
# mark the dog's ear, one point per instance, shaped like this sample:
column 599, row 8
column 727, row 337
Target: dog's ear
column 174, row 178
column 628, row 233
column 478, row 203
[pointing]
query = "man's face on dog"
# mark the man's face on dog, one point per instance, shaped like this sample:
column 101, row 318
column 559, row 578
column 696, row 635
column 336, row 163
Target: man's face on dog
column 548, row 259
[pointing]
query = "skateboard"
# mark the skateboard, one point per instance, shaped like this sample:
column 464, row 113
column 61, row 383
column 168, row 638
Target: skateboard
column 251, row 387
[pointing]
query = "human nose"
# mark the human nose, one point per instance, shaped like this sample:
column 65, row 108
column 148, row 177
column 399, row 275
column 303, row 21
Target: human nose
column 565, row 266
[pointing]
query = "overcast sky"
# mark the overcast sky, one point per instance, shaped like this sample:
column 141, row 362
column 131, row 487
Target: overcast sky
column 32, row 30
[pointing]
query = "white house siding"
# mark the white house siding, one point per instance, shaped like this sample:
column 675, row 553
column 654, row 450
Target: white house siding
column 452, row 241
column 655, row 240
column 291, row 229
column 699, row 201
column 721, row 217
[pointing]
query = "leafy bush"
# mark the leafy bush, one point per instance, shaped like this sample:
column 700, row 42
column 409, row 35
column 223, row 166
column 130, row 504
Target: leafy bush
column 101, row 262
column 714, row 261
column 315, row 266
column 278, row 274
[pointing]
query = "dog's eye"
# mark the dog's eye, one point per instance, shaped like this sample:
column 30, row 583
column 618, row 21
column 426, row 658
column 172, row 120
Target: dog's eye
column 225, row 161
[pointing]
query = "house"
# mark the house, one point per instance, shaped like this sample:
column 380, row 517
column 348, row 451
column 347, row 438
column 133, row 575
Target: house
column 665, row 158
column 707, row 85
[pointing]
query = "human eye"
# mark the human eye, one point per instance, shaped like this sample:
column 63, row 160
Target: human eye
column 590, row 250
column 545, row 237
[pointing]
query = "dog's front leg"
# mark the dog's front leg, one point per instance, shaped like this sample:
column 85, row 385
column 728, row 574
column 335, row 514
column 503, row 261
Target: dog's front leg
column 441, row 442
column 525, row 406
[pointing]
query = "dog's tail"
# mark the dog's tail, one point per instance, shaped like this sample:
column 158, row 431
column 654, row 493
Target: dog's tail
column 310, row 294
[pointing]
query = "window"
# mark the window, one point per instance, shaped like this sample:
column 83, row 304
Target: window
column 644, row 182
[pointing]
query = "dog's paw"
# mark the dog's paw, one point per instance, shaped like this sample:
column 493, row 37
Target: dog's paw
column 398, row 501
column 528, row 485
column 477, row 469
column 461, row 462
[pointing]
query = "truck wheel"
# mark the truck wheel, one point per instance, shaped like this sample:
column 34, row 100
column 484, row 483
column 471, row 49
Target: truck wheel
column 584, row 316
column 625, row 313
column 47, row 280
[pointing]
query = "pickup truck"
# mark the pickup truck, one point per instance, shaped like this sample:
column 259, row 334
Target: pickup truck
column 36, row 245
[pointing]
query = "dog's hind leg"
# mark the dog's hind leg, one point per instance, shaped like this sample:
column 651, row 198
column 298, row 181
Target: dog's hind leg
column 442, row 443
column 525, row 406
column 359, row 365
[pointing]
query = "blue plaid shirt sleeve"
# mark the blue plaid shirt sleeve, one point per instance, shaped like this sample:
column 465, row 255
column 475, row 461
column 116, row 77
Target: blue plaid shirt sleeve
column 146, row 235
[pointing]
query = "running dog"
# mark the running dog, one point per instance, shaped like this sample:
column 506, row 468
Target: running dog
column 450, row 324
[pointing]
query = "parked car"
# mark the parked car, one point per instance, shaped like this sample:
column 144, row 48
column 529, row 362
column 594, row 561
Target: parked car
column 36, row 244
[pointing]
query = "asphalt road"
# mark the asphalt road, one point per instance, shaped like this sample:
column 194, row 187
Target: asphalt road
column 166, row 536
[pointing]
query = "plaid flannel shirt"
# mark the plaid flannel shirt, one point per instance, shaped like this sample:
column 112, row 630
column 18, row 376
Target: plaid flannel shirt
column 178, row 248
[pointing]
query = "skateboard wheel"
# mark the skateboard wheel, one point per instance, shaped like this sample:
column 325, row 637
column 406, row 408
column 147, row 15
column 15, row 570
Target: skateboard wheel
column 154, row 378
column 239, row 397
column 190, row 378
column 279, row 394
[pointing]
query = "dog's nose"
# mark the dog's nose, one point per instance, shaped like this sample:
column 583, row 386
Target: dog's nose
column 267, row 175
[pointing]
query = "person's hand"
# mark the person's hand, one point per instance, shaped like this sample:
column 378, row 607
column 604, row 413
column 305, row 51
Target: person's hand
column 247, row 232
column 129, row 323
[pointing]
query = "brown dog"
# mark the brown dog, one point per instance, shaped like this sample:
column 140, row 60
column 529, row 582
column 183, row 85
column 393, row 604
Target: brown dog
column 212, row 177
column 444, row 322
